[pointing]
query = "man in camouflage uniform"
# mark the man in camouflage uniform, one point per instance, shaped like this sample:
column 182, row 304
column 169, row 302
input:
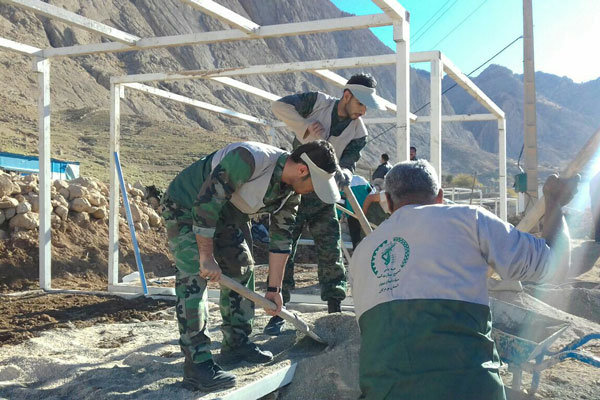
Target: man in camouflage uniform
column 206, row 216
column 313, row 116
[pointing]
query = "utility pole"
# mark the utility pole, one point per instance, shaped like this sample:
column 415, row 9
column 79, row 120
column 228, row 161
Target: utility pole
column 529, row 111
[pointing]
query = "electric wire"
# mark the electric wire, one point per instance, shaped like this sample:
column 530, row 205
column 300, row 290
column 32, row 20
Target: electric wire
column 432, row 17
column 460, row 24
column 414, row 41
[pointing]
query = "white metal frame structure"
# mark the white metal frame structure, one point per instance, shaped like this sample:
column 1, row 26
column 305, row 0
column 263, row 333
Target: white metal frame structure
column 243, row 29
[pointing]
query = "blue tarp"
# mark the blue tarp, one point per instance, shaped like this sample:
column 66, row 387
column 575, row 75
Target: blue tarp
column 30, row 164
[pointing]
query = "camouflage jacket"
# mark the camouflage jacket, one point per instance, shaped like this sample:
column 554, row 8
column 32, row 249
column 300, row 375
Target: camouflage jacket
column 205, row 190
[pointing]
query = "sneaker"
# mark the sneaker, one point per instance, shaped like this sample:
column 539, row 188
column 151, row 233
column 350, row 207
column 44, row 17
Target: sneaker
column 334, row 305
column 206, row 376
column 247, row 352
column 274, row 326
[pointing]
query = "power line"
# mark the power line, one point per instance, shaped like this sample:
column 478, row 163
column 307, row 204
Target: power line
column 453, row 86
column 459, row 24
column 432, row 17
column 433, row 23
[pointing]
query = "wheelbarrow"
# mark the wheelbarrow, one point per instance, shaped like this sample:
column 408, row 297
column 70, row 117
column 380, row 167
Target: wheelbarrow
column 523, row 338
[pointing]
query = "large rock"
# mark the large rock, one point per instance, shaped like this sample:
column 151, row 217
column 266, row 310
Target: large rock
column 61, row 211
column 26, row 222
column 8, row 202
column 79, row 217
column 153, row 218
column 27, row 187
column 89, row 183
column 100, row 213
column 140, row 186
column 136, row 212
column 77, row 191
column 20, row 198
column 6, row 185
column 60, row 184
column 136, row 193
column 80, row 205
column 55, row 221
column 96, row 198
column 64, row 192
column 23, row 207
column 34, row 200
column 10, row 212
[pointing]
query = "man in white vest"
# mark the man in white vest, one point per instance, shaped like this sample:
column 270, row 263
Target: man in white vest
column 313, row 116
column 420, row 293
column 206, row 216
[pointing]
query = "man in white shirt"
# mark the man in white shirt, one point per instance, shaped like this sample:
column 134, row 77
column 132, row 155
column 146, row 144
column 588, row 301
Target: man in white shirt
column 420, row 293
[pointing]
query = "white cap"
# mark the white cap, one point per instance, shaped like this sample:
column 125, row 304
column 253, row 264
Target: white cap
column 323, row 181
column 366, row 96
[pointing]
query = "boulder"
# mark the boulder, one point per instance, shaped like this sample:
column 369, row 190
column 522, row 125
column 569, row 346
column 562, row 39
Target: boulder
column 100, row 213
column 138, row 227
column 64, row 192
column 96, row 198
column 60, row 184
column 10, row 212
column 77, row 192
column 145, row 225
column 34, row 200
column 89, row 183
column 23, row 207
column 6, row 185
column 61, row 211
column 24, row 222
column 153, row 218
column 20, row 198
column 136, row 193
column 55, row 221
column 153, row 201
column 31, row 178
column 140, row 186
column 79, row 217
column 136, row 212
column 80, row 205
column 8, row 202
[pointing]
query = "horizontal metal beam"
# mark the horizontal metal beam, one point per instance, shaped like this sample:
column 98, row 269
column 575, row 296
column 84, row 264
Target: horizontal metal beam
column 299, row 66
column 70, row 18
column 424, row 56
column 229, row 35
column 17, row 47
column 247, row 88
column 460, row 118
column 196, row 103
column 471, row 88
column 223, row 14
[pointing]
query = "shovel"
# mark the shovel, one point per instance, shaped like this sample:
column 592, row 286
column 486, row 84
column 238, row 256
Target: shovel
column 261, row 301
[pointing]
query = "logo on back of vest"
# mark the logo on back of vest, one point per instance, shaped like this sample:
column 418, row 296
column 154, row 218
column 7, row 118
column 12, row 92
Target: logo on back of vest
column 387, row 261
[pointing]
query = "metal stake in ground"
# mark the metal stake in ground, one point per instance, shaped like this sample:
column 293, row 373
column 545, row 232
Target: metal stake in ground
column 261, row 301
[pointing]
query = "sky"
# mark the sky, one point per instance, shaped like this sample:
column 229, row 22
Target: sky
column 566, row 33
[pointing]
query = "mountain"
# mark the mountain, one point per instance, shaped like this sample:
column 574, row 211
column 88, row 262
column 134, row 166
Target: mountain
column 160, row 137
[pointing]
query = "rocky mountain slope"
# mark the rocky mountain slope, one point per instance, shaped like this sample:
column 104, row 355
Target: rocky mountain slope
column 161, row 137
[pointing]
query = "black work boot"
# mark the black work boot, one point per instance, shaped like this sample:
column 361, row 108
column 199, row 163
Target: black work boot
column 274, row 326
column 334, row 305
column 206, row 376
column 247, row 352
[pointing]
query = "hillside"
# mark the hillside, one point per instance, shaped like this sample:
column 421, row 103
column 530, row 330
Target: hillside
column 160, row 137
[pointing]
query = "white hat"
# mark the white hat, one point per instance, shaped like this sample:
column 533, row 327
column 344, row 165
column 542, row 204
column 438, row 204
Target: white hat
column 366, row 96
column 323, row 181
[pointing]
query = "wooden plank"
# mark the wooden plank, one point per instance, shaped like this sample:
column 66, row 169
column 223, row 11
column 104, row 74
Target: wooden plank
column 42, row 67
column 196, row 103
column 20, row 48
column 70, row 18
column 471, row 88
column 393, row 9
column 223, row 14
column 266, row 31
column 247, row 88
column 585, row 155
column 298, row 66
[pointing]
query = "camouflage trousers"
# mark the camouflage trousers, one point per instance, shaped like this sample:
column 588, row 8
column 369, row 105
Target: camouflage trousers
column 232, row 253
column 324, row 226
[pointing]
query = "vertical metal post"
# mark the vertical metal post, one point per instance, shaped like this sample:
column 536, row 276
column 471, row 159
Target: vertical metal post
column 42, row 67
column 529, row 112
column 401, row 37
column 435, row 123
column 502, row 167
column 113, row 215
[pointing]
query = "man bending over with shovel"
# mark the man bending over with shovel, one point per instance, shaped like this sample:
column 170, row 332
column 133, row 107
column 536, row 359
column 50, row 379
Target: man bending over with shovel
column 206, row 216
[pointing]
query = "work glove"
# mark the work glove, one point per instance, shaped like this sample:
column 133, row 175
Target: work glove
column 343, row 177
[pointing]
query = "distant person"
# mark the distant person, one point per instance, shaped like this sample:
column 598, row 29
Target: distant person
column 595, row 205
column 206, row 212
column 383, row 168
column 413, row 153
column 420, row 287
